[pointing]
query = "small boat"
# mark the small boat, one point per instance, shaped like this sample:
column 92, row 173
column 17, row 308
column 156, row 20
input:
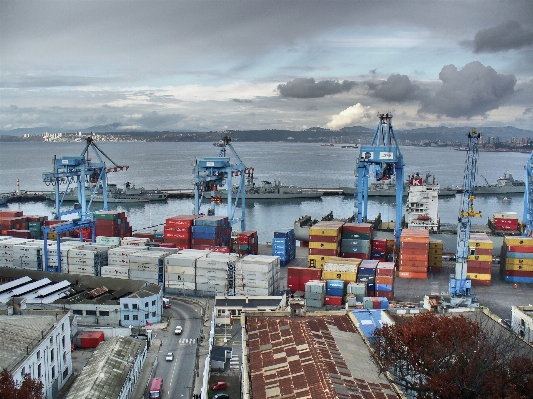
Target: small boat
column 327, row 145
column 507, row 199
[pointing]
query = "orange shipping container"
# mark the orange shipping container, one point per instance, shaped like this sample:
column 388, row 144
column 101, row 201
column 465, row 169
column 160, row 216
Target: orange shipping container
column 412, row 275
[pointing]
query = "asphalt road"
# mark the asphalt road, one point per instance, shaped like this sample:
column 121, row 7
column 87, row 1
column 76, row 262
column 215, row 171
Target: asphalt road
column 178, row 373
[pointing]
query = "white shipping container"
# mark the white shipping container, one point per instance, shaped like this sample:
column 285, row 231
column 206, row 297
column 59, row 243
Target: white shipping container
column 110, row 271
column 247, row 267
column 30, row 265
column 255, row 283
column 82, row 253
column 181, row 260
column 118, row 260
column 144, row 266
column 252, row 291
column 218, row 289
column 185, row 270
column 147, row 256
column 340, row 267
column 134, row 242
column 125, row 252
column 27, row 248
column 210, row 280
column 218, row 273
column 505, row 215
column 80, row 269
column 8, row 244
column 180, row 285
column 258, row 275
column 81, row 261
column 150, row 277
column 108, row 240
column 207, row 263
column 315, row 286
column 180, row 277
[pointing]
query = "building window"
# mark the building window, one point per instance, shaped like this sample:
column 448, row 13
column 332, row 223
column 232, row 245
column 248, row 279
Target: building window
column 104, row 313
column 39, row 370
column 51, row 340
column 52, row 357
column 64, row 357
column 53, row 372
column 126, row 306
column 63, row 342
column 154, row 314
column 146, row 304
column 135, row 317
column 153, row 302
column 134, row 306
column 126, row 317
column 90, row 312
column 38, row 355
column 22, row 372
column 63, row 327
column 65, row 373
column 77, row 312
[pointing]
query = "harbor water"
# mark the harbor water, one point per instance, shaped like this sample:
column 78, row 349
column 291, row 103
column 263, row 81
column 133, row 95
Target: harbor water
column 309, row 165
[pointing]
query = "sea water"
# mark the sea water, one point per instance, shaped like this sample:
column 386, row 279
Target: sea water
column 310, row 165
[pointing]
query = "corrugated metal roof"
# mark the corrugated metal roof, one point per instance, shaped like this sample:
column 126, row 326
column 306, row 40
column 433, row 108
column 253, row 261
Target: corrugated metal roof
column 107, row 369
column 369, row 320
column 18, row 334
column 311, row 357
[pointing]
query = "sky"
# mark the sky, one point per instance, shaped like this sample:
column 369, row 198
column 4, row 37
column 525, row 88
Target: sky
column 265, row 64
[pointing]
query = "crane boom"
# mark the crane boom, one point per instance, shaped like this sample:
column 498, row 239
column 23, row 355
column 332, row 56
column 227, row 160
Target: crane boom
column 459, row 285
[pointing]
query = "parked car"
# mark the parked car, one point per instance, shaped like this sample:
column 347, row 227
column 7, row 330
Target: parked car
column 178, row 330
column 220, row 395
column 220, row 385
column 169, row 357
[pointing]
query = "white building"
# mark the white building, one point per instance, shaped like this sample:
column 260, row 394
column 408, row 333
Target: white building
column 522, row 321
column 38, row 344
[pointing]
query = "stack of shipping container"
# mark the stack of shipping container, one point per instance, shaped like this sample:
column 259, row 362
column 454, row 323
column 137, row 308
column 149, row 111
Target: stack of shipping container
column 284, row 246
column 517, row 259
column 414, row 254
column 436, row 248
column 247, row 243
column 356, row 240
column 379, row 249
column 385, row 280
column 479, row 263
column 177, row 231
column 505, row 221
column 315, row 292
column 257, row 275
column 211, row 233
column 111, row 224
column 324, row 242
column 367, row 274
column 180, row 270
column 355, row 292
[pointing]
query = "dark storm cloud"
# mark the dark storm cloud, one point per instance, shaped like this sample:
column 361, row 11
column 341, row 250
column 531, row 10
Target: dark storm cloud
column 308, row 88
column 473, row 90
column 397, row 88
column 508, row 36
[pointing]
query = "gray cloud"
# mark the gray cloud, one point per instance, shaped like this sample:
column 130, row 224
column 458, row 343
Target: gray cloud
column 397, row 88
column 308, row 88
column 508, row 36
column 28, row 81
column 474, row 90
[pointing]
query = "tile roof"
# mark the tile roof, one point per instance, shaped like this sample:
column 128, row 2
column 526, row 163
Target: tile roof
column 311, row 357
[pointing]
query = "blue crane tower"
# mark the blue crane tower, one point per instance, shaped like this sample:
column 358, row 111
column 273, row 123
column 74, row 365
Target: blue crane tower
column 460, row 285
column 79, row 171
column 385, row 156
column 528, row 199
column 213, row 172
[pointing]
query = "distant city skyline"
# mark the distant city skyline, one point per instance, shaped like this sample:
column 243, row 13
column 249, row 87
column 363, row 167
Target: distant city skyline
column 208, row 65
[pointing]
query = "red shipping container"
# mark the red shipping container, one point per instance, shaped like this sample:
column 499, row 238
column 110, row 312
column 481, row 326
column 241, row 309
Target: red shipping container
column 385, row 269
column 364, row 228
column 412, row 275
column 479, row 269
column 325, row 252
column 517, row 248
column 387, row 294
column 11, row 214
column 324, row 238
column 91, row 339
column 355, row 255
column 333, row 300
column 19, row 233
column 481, row 283
column 518, row 273
column 306, row 272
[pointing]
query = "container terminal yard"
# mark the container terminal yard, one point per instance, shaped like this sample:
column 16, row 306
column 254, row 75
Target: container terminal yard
column 200, row 293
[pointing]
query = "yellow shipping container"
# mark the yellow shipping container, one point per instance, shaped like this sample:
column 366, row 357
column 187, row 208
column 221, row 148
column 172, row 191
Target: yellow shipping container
column 52, row 235
column 518, row 241
column 518, row 262
column 519, row 267
column 324, row 231
column 435, row 244
column 346, row 276
column 481, row 258
column 323, row 245
column 346, row 261
column 317, row 261
column 485, row 277
column 481, row 244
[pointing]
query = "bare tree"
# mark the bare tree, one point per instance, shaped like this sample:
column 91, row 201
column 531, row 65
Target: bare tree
column 437, row 356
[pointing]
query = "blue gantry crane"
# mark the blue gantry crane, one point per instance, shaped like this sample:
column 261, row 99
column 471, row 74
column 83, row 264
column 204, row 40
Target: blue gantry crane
column 386, row 158
column 460, row 285
column 528, row 199
column 213, row 172
column 79, row 171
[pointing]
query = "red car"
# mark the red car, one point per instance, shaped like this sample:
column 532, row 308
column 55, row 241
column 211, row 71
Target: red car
column 219, row 386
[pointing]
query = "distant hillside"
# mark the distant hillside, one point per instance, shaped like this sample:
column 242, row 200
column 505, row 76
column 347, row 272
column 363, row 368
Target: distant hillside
column 348, row 134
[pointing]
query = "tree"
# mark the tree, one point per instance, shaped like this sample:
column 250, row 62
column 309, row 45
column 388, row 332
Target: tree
column 436, row 356
column 29, row 389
